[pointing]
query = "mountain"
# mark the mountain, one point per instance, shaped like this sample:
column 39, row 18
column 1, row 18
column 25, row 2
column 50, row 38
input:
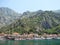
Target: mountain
column 7, row 16
column 56, row 11
column 37, row 22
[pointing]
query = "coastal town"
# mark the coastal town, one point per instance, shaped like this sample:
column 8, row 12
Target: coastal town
column 32, row 36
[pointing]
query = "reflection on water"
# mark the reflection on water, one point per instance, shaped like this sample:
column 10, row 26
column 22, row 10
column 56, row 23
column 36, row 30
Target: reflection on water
column 30, row 42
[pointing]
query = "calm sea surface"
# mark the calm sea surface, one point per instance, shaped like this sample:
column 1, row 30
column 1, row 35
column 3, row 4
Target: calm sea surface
column 30, row 42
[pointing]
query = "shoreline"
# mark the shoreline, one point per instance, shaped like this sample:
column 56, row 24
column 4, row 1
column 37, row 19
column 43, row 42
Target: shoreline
column 34, row 38
column 31, row 36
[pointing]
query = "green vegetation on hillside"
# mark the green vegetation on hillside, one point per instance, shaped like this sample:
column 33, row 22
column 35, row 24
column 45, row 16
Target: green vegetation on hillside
column 37, row 22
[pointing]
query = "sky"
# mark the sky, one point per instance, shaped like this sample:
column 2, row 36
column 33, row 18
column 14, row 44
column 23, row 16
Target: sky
column 31, row 5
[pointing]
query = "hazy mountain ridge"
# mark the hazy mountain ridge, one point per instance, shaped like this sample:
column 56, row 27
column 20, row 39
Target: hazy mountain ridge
column 7, row 16
column 36, row 22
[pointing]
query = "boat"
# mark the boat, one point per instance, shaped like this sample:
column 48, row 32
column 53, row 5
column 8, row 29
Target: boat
column 9, row 38
column 1, row 37
column 48, row 38
column 58, row 37
column 37, row 38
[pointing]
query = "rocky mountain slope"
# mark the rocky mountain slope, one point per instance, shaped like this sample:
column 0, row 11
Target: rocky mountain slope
column 7, row 16
column 36, row 22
